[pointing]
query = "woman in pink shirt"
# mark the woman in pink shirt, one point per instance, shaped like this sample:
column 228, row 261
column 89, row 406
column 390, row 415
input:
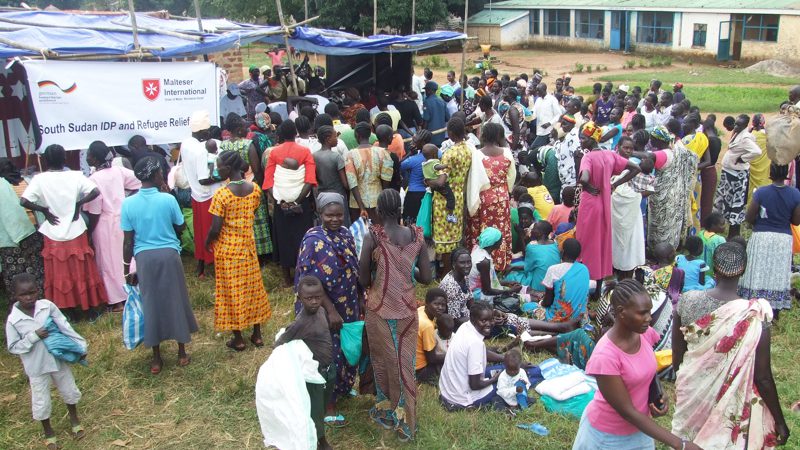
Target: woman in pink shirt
column 624, row 364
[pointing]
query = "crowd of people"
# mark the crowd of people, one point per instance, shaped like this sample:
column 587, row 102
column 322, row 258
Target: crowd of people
column 543, row 215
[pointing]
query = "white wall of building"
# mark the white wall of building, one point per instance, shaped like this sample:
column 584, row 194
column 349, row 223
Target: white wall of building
column 686, row 30
column 516, row 32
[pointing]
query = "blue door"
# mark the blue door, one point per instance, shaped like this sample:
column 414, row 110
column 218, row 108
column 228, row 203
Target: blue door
column 617, row 23
column 724, row 44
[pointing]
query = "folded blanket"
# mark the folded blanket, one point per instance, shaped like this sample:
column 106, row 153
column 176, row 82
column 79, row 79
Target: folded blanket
column 572, row 407
column 565, row 387
column 288, row 183
column 553, row 368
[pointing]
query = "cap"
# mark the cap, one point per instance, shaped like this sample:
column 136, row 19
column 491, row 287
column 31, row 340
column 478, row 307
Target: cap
column 431, row 85
column 624, row 88
column 199, row 121
column 233, row 88
column 265, row 68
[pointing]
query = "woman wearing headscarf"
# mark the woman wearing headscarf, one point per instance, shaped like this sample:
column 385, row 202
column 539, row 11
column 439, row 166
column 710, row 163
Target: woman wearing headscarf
column 151, row 221
column 328, row 252
column 771, row 213
column 20, row 244
column 668, row 208
column 494, row 210
column 391, row 252
column 759, row 167
column 248, row 151
column 104, row 218
column 721, row 352
column 483, row 281
column 241, row 300
column 593, row 229
column 734, row 178
column 71, row 279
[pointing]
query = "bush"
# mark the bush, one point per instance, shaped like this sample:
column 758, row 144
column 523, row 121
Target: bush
column 598, row 68
column 667, row 61
column 434, row 62
column 579, row 67
column 589, row 68
column 642, row 63
column 630, row 64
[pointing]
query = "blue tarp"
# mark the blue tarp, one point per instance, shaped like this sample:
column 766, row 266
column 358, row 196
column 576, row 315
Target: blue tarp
column 69, row 34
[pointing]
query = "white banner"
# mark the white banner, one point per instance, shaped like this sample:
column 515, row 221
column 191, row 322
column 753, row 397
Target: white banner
column 78, row 102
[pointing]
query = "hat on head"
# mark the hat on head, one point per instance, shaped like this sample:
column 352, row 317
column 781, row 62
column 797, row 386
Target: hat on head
column 431, row 85
column 233, row 88
column 522, row 84
column 199, row 121
column 252, row 68
column 661, row 133
column 624, row 88
column 265, row 68
column 568, row 118
column 446, row 90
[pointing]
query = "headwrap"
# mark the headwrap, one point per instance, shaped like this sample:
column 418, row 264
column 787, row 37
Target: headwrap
column 326, row 198
column 447, row 90
column 568, row 118
column 730, row 259
column 661, row 133
column 489, row 236
column 262, row 120
column 678, row 86
column 146, row 167
column 649, row 281
column 526, row 205
column 593, row 131
column 261, row 107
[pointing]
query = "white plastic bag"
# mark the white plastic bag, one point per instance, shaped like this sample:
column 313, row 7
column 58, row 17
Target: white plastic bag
column 783, row 138
column 132, row 318
column 282, row 401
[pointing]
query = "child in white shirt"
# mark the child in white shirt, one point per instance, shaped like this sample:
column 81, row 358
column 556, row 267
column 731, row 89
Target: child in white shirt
column 444, row 331
column 24, row 335
column 513, row 384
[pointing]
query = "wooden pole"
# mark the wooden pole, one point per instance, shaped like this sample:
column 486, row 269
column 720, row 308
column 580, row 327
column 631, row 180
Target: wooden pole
column 197, row 13
column 288, row 49
column 305, row 7
column 413, row 16
column 464, row 50
column 374, row 17
column 133, row 25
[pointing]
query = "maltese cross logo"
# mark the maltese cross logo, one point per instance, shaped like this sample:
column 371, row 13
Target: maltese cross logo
column 151, row 88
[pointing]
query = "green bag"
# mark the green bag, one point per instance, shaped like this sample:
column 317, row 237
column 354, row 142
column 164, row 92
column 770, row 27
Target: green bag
column 350, row 336
column 187, row 237
column 425, row 215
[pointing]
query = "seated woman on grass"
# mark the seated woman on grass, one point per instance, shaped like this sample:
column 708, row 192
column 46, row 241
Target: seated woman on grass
column 566, row 286
column 540, row 254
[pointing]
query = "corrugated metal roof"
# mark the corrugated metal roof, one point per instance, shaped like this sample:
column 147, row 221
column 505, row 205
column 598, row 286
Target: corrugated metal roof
column 728, row 6
column 495, row 17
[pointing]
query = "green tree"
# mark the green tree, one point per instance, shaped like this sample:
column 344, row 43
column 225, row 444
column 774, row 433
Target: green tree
column 456, row 7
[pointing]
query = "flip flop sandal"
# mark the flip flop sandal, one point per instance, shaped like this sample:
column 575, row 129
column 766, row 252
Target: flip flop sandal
column 231, row 346
column 78, row 432
column 52, row 443
column 337, row 421
column 183, row 362
column 257, row 342
column 155, row 370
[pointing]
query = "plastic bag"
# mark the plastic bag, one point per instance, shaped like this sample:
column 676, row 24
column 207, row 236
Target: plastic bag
column 425, row 215
column 350, row 337
column 663, row 359
column 132, row 318
column 359, row 229
column 783, row 138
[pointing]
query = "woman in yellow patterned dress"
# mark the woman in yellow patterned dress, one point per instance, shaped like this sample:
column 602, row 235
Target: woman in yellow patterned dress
column 458, row 159
column 241, row 300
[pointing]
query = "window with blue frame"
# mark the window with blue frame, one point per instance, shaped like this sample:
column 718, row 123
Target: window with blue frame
column 759, row 27
column 699, row 37
column 533, row 27
column 590, row 24
column 654, row 27
column 556, row 22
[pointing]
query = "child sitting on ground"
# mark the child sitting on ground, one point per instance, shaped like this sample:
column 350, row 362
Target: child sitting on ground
column 513, row 384
column 311, row 326
column 560, row 213
column 711, row 234
column 432, row 169
column 542, row 199
column 694, row 267
column 444, row 332
column 25, row 334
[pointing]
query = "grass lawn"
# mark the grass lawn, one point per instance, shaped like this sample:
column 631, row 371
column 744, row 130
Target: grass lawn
column 723, row 99
column 699, row 74
column 209, row 404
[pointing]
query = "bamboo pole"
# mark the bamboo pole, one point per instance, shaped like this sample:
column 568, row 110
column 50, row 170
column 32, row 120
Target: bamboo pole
column 464, row 50
column 374, row 17
column 45, row 52
column 197, row 13
column 305, row 8
column 413, row 16
column 133, row 25
column 288, row 49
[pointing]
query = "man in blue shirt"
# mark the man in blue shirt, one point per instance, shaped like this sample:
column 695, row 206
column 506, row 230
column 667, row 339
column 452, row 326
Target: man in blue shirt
column 434, row 112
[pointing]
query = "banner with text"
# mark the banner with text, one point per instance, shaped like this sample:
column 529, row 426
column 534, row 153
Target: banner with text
column 78, row 102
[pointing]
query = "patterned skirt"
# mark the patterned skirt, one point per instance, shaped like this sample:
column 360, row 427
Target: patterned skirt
column 768, row 273
column 732, row 195
column 261, row 228
column 27, row 257
column 241, row 300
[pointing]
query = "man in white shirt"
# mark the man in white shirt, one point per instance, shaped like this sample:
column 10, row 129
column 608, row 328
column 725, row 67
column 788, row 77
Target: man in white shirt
column 418, row 86
column 231, row 102
column 194, row 157
column 547, row 111
column 462, row 383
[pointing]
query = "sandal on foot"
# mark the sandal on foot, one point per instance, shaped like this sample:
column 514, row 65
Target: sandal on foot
column 51, row 443
column 78, row 432
column 156, row 369
column 384, row 422
column 183, row 362
column 238, row 348
column 337, row 421
column 258, row 342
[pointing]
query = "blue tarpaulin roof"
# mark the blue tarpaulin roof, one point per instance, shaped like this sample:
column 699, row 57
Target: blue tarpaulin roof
column 68, row 34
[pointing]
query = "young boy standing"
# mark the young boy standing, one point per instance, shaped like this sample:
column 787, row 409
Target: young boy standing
column 311, row 327
column 24, row 334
